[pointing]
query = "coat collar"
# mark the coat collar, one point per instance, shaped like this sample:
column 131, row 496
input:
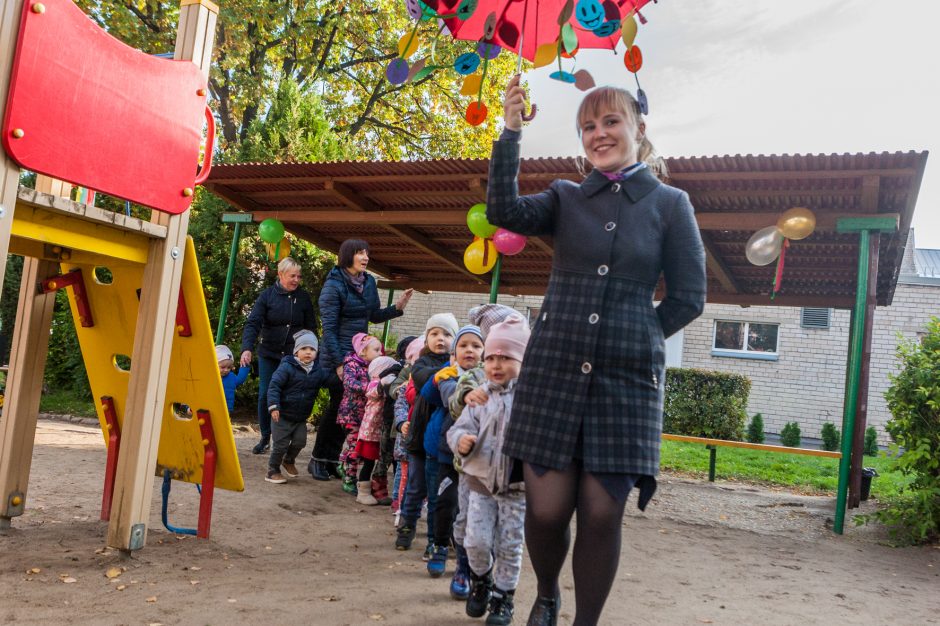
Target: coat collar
column 635, row 187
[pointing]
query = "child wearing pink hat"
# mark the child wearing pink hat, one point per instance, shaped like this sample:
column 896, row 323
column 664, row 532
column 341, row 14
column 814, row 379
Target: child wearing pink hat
column 352, row 408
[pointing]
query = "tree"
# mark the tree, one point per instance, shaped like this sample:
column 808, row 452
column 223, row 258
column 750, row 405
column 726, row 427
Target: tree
column 338, row 50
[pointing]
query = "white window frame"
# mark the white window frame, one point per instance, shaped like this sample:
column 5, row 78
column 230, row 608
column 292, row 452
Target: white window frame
column 744, row 353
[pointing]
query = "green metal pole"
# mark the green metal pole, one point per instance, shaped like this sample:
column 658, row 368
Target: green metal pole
column 853, row 367
column 391, row 293
column 494, row 283
column 227, row 294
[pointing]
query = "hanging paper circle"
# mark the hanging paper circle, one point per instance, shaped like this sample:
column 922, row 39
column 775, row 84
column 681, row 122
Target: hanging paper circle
column 397, row 71
column 488, row 51
column 471, row 85
column 642, row 102
column 628, row 31
column 467, row 63
column 476, row 113
column 583, row 80
column 797, row 223
column 569, row 55
column 271, row 230
column 489, row 26
column 607, row 28
column 589, row 13
column 764, row 246
column 564, row 77
column 278, row 251
column 408, row 45
column 465, row 9
column 414, row 9
column 633, row 59
column 545, row 54
column 508, row 242
column 569, row 38
column 480, row 256
column 477, row 222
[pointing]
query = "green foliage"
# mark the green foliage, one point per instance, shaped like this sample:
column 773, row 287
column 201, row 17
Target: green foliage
column 871, row 442
column 755, row 430
column 702, row 403
column 831, row 437
column 8, row 301
column 790, row 435
column 914, row 401
column 65, row 368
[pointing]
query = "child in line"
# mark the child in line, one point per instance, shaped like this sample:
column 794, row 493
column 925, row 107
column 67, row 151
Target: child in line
column 352, row 408
column 382, row 371
column 402, row 423
column 466, row 355
column 496, row 512
column 387, row 437
column 230, row 380
column 422, row 470
column 291, row 393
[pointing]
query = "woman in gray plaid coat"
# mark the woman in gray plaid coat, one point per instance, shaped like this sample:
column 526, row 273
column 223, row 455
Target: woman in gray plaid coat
column 587, row 416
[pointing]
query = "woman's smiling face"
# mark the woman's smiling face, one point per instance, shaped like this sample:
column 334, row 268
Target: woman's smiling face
column 610, row 139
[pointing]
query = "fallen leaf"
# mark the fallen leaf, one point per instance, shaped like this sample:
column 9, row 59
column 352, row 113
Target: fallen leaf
column 377, row 617
column 69, row 579
column 121, row 587
column 194, row 582
column 152, row 599
column 330, row 598
column 233, row 600
column 195, row 568
column 33, row 570
column 114, row 572
column 705, row 620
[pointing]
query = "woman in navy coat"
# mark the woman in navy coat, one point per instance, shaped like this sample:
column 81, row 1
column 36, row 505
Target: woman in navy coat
column 349, row 301
column 587, row 415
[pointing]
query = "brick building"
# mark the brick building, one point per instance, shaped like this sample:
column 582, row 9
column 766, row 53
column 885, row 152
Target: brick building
column 795, row 357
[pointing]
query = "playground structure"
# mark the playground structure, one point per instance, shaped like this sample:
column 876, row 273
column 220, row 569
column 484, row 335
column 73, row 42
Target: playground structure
column 134, row 287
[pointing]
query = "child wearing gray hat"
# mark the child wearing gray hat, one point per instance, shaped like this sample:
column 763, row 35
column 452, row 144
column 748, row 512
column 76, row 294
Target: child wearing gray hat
column 230, row 379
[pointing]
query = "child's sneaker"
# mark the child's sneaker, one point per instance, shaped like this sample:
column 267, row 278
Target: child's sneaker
column 290, row 469
column 275, row 477
column 262, row 446
column 501, row 607
column 481, row 588
column 460, row 583
column 428, row 552
column 406, row 534
column 438, row 562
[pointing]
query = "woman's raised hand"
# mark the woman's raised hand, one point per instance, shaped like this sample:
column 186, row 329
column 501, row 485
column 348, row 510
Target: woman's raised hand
column 514, row 104
column 403, row 299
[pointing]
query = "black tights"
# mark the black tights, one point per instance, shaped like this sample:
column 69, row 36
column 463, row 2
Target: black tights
column 551, row 500
column 365, row 469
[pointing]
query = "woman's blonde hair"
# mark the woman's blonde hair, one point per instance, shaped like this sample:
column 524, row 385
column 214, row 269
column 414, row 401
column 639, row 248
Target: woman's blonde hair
column 616, row 99
column 286, row 264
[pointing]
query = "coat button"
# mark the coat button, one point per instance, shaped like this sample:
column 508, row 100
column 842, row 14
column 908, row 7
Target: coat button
column 609, row 226
column 586, row 368
column 593, row 317
column 602, row 270
column 615, row 188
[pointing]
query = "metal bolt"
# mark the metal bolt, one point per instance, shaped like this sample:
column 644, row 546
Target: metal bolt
column 188, row 191
column 200, row 92
column 3, row 212
column 175, row 253
column 39, row 8
column 16, row 500
column 18, row 133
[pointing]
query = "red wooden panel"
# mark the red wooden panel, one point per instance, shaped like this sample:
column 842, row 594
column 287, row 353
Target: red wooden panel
column 85, row 108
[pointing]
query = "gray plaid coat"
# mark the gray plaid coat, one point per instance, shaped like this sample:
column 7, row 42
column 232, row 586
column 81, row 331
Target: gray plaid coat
column 591, row 385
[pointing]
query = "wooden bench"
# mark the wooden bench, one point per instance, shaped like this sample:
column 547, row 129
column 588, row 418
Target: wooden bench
column 712, row 446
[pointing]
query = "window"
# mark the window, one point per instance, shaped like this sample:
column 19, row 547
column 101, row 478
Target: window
column 811, row 317
column 749, row 340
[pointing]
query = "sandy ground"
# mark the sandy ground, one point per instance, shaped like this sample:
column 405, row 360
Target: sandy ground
column 305, row 553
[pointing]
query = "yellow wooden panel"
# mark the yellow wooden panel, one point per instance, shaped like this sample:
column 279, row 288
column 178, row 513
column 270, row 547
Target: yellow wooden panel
column 194, row 373
column 72, row 232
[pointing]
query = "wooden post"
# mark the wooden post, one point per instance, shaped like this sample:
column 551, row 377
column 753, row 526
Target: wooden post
column 156, row 320
column 10, row 171
column 24, row 386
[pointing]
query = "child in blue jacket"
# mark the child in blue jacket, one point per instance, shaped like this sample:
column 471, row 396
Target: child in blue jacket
column 230, row 380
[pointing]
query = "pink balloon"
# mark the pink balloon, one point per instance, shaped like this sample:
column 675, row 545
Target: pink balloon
column 508, row 242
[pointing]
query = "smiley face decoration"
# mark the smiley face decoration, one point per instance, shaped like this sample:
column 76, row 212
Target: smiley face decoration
column 521, row 27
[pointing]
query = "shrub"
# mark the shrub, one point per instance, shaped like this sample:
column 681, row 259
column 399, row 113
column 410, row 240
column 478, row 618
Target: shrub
column 871, row 441
column 914, row 401
column 831, row 437
column 702, row 403
column 790, row 435
column 755, row 430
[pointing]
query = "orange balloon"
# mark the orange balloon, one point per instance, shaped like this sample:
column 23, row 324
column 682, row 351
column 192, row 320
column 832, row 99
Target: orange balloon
column 476, row 113
column 633, row 59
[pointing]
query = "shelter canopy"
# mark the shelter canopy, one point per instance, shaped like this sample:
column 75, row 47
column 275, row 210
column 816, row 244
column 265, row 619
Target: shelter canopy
column 413, row 214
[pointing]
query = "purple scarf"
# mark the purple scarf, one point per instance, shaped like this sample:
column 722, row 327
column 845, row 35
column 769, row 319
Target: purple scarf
column 625, row 173
column 358, row 282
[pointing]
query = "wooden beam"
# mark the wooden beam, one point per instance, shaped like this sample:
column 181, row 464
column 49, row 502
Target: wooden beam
column 331, row 245
column 823, row 301
column 24, row 386
column 156, row 325
column 461, row 286
column 541, row 244
column 33, row 199
column 746, row 220
column 790, row 175
column 413, row 218
column 350, row 197
column 716, row 264
column 744, row 194
column 434, row 249
column 871, row 189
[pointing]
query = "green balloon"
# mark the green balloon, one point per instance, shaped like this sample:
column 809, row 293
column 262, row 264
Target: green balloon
column 271, row 230
column 477, row 222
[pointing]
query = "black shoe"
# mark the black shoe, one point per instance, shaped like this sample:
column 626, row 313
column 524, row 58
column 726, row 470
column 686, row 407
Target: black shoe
column 318, row 470
column 335, row 469
column 501, row 607
column 406, row 534
column 544, row 612
column 481, row 588
column 262, row 446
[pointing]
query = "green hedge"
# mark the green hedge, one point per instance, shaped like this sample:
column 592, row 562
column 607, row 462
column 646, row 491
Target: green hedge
column 702, row 403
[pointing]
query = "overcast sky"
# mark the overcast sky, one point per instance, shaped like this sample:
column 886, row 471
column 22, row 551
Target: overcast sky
column 774, row 77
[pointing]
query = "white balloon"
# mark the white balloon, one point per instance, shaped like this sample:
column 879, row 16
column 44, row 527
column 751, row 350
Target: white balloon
column 764, row 246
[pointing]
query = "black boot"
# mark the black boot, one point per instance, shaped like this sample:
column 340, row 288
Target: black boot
column 481, row 587
column 544, row 612
column 318, row 470
column 501, row 607
column 262, row 446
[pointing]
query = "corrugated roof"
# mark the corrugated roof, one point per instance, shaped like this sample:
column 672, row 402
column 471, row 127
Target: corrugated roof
column 412, row 213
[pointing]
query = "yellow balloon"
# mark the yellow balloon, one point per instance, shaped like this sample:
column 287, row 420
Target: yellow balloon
column 628, row 30
column 797, row 223
column 546, row 53
column 278, row 251
column 480, row 256
column 411, row 41
column 471, row 85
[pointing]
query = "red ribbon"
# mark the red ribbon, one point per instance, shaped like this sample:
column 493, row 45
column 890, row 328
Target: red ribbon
column 778, row 278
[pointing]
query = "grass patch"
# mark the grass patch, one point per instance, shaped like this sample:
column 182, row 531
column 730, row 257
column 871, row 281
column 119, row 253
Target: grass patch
column 66, row 402
column 808, row 474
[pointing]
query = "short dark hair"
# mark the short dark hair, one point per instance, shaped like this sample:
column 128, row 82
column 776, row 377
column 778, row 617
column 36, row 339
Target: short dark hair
column 348, row 250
